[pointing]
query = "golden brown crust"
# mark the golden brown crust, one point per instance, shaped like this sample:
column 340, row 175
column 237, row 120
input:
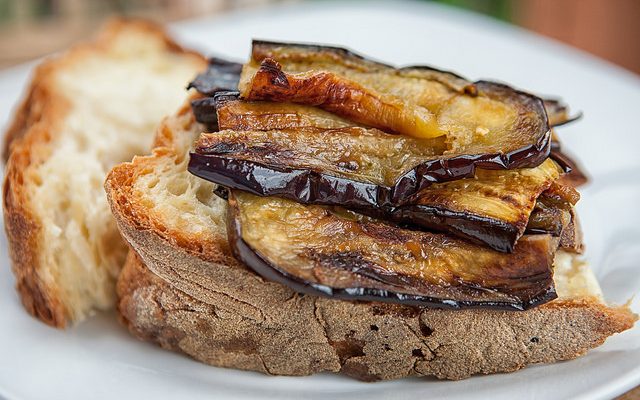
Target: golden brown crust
column 27, row 144
column 24, row 229
column 187, row 293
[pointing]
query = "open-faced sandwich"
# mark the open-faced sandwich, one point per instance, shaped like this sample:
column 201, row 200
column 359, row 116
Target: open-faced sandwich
column 313, row 210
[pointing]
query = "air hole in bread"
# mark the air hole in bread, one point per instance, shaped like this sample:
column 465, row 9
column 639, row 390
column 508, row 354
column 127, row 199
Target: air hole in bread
column 417, row 353
column 37, row 179
column 177, row 187
column 204, row 194
column 152, row 183
column 426, row 330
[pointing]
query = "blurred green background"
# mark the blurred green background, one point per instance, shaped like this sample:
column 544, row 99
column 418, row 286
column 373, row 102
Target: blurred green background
column 31, row 28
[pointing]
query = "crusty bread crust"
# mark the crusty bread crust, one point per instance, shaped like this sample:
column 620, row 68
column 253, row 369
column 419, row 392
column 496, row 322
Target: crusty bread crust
column 27, row 144
column 187, row 293
column 226, row 316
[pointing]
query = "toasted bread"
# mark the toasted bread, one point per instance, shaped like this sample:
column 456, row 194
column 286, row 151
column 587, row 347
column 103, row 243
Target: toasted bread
column 86, row 110
column 182, row 289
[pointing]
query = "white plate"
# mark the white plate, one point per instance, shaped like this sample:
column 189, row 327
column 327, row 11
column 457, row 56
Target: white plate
column 100, row 360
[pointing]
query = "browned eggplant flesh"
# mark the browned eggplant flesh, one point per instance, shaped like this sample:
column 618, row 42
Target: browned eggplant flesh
column 235, row 114
column 337, row 253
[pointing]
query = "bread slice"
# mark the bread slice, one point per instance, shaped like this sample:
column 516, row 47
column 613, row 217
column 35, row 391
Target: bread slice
column 86, row 110
column 182, row 289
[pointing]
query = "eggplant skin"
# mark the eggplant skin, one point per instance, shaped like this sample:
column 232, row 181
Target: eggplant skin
column 558, row 113
column 497, row 234
column 304, row 185
column 220, row 75
column 574, row 173
column 204, row 112
column 300, row 52
column 349, row 266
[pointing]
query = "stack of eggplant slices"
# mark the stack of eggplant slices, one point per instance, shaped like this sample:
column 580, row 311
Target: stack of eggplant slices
column 357, row 180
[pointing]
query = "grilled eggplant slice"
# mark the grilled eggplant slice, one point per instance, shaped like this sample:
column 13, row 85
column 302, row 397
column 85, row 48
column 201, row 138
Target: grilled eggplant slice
column 548, row 218
column 236, row 114
column 492, row 209
column 339, row 254
column 495, row 115
column 557, row 111
column 221, row 75
column 558, row 222
column 344, row 97
column 204, row 110
column 417, row 101
column 353, row 167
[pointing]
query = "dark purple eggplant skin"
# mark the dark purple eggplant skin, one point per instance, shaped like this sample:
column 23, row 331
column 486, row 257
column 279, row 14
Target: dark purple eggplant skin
column 569, row 120
column 204, row 108
column 204, row 111
column 490, row 232
column 220, row 75
column 302, row 185
column 245, row 254
column 557, row 106
column 574, row 173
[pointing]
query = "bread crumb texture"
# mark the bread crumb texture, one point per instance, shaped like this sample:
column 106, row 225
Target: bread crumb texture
column 93, row 107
